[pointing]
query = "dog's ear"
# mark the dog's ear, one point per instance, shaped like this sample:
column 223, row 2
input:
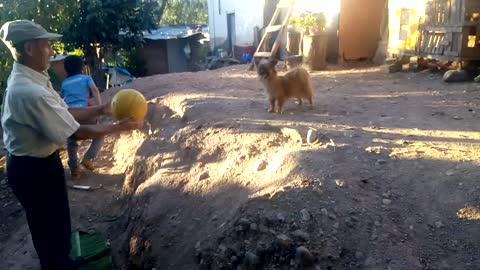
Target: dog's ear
column 257, row 62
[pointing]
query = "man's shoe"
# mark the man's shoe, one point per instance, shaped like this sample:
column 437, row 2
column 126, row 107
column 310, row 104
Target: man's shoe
column 88, row 164
column 76, row 173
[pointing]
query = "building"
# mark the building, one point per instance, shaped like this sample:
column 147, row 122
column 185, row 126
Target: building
column 363, row 29
column 173, row 48
column 353, row 35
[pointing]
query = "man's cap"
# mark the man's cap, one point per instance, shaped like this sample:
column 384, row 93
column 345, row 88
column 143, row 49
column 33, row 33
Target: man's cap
column 15, row 32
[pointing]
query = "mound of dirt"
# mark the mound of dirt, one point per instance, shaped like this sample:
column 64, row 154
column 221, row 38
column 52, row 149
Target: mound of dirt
column 381, row 174
column 217, row 183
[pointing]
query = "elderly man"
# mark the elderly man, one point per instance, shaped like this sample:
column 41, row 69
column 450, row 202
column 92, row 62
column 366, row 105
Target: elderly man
column 36, row 123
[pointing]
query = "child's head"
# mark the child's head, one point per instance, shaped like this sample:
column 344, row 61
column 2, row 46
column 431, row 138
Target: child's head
column 73, row 65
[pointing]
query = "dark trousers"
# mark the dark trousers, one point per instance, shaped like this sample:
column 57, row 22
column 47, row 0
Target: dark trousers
column 39, row 185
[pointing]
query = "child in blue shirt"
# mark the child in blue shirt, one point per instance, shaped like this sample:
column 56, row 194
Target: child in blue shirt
column 76, row 92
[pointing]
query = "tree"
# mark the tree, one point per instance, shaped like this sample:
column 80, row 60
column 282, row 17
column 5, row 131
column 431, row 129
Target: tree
column 39, row 11
column 102, row 25
column 181, row 12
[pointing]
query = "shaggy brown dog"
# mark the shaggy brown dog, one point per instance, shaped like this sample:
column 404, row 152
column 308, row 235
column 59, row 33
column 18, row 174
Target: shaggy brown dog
column 295, row 83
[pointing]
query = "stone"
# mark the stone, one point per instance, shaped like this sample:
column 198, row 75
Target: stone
column 439, row 224
column 477, row 79
column 324, row 211
column 261, row 249
column 244, row 221
column 283, row 241
column 381, row 161
column 350, row 223
column 222, row 250
column 301, row 235
column 304, row 257
column 243, row 225
column 294, row 226
column 260, row 165
column 359, row 255
column 233, row 259
column 456, row 76
column 292, row 134
column 305, row 215
column 450, row 173
column 253, row 227
column 203, row 176
column 387, row 201
column 312, row 136
column 262, row 228
column 281, row 217
column 340, row 183
column 391, row 68
column 251, row 260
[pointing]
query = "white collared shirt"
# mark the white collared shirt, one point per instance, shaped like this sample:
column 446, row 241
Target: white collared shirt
column 35, row 119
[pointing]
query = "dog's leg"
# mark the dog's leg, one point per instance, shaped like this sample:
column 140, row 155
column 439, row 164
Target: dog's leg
column 272, row 105
column 299, row 101
column 280, row 102
column 311, row 102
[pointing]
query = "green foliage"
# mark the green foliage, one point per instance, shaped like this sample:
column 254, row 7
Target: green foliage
column 181, row 12
column 77, row 52
column 310, row 19
column 134, row 62
column 102, row 25
column 6, row 62
column 111, row 23
column 91, row 26
column 39, row 11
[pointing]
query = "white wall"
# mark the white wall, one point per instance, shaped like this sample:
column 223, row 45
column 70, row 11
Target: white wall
column 248, row 14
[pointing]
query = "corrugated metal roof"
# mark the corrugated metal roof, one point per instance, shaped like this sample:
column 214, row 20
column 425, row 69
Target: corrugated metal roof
column 174, row 32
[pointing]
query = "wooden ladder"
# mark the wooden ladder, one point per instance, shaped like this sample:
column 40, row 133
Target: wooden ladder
column 271, row 28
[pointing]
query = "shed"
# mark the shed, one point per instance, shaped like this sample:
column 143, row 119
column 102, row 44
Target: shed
column 438, row 29
column 451, row 30
column 168, row 49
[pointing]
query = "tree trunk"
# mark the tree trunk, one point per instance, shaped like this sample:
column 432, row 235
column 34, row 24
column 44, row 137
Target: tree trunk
column 94, row 62
column 162, row 9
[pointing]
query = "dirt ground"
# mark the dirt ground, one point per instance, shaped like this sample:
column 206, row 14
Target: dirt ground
column 216, row 182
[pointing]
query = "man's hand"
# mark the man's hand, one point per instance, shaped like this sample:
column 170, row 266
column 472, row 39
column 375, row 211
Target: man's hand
column 129, row 124
column 106, row 108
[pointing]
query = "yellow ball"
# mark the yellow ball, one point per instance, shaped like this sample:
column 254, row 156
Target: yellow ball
column 129, row 103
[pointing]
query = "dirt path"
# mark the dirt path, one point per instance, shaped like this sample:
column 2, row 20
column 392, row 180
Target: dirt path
column 393, row 183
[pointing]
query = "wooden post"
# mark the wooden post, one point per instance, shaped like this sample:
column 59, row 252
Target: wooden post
column 293, row 42
column 315, row 51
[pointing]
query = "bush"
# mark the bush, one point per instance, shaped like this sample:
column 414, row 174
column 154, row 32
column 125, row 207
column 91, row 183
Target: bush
column 310, row 20
column 134, row 62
